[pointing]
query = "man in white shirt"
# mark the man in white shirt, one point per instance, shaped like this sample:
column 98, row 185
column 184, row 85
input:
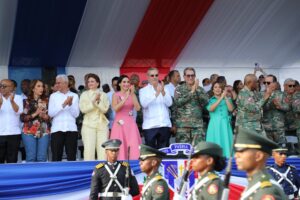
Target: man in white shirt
column 11, row 106
column 156, row 119
column 64, row 109
column 174, row 78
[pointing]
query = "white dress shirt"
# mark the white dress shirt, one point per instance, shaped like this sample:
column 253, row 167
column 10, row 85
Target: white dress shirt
column 155, row 109
column 170, row 88
column 64, row 119
column 9, row 119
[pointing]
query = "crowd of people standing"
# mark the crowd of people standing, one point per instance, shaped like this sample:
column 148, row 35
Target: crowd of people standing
column 158, row 111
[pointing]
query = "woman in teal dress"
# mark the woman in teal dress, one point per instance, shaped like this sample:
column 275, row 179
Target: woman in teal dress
column 219, row 128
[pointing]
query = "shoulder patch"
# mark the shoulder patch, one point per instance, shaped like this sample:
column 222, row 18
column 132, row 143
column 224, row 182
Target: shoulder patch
column 99, row 165
column 125, row 164
column 265, row 184
column 212, row 189
column 159, row 189
column 212, row 176
column 268, row 197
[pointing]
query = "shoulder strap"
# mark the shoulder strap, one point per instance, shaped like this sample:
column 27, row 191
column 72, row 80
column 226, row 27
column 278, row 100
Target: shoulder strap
column 156, row 178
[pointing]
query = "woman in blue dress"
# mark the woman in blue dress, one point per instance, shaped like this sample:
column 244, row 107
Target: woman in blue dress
column 219, row 128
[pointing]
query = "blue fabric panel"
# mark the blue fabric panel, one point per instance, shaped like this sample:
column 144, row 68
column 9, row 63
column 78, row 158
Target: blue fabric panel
column 41, row 179
column 45, row 31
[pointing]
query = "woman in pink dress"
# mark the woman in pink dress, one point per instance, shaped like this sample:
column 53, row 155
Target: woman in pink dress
column 124, row 127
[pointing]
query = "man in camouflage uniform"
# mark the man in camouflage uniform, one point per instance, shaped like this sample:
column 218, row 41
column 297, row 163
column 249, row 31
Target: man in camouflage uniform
column 251, row 153
column 250, row 105
column 155, row 186
column 296, row 111
column 190, row 100
column 273, row 111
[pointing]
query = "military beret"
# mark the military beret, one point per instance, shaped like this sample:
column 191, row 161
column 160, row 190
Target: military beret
column 207, row 148
column 112, row 144
column 147, row 152
column 248, row 139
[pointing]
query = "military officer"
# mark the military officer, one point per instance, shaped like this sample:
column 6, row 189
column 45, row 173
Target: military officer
column 251, row 153
column 155, row 186
column 206, row 159
column 250, row 105
column 108, row 179
column 286, row 175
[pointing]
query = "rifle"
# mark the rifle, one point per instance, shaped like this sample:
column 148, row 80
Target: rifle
column 125, row 192
column 186, row 173
column 225, row 193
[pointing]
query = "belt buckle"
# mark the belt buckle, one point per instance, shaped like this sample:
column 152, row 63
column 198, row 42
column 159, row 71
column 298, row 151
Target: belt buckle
column 115, row 194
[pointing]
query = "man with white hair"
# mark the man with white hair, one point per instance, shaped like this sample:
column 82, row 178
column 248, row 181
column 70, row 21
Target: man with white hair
column 64, row 109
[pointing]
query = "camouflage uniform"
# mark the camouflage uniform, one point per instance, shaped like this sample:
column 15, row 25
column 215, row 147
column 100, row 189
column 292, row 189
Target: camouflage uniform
column 273, row 117
column 296, row 111
column 188, row 115
column 289, row 121
column 249, row 115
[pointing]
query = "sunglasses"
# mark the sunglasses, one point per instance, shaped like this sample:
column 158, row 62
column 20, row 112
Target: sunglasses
column 292, row 86
column 3, row 86
column 267, row 83
column 282, row 153
column 190, row 75
column 153, row 75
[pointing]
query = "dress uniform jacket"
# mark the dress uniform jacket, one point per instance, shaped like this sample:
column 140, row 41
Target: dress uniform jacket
column 155, row 188
column 287, row 176
column 103, row 180
column 261, row 186
column 208, row 187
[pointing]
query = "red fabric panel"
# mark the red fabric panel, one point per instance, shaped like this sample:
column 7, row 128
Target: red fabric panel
column 164, row 31
column 235, row 191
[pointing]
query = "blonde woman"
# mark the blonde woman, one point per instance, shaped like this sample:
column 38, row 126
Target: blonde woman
column 94, row 104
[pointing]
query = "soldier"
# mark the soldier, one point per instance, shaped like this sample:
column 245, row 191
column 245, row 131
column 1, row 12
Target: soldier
column 155, row 187
column 286, row 175
column 274, row 111
column 108, row 178
column 249, row 105
column 206, row 159
column 296, row 111
column 252, row 151
column 190, row 100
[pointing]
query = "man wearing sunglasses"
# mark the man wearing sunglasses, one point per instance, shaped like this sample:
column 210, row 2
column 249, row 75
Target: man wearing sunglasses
column 109, row 178
column 290, row 116
column 274, row 111
column 286, row 175
column 156, row 101
column 190, row 100
column 11, row 106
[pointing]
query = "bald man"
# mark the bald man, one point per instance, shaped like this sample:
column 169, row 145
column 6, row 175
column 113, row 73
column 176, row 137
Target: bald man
column 11, row 106
column 250, row 105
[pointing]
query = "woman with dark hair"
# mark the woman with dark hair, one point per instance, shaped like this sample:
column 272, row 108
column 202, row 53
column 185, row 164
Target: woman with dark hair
column 237, row 86
column 219, row 128
column 93, row 104
column 206, row 159
column 36, row 128
column 124, row 127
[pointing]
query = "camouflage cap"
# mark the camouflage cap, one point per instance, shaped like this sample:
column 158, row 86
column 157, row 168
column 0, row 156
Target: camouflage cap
column 248, row 139
column 147, row 152
column 207, row 148
column 112, row 144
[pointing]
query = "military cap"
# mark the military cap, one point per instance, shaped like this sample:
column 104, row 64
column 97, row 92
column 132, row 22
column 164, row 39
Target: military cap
column 281, row 148
column 207, row 148
column 248, row 139
column 147, row 152
column 112, row 144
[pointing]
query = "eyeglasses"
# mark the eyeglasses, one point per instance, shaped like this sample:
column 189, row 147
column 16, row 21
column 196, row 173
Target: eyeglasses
column 3, row 86
column 190, row 75
column 292, row 86
column 153, row 75
column 267, row 83
column 282, row 153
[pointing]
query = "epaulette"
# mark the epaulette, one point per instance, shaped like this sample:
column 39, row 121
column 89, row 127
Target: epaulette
column 125, row 164
column 99, row 165
column 212, row 176
column 292, row 166
column 265, row 184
